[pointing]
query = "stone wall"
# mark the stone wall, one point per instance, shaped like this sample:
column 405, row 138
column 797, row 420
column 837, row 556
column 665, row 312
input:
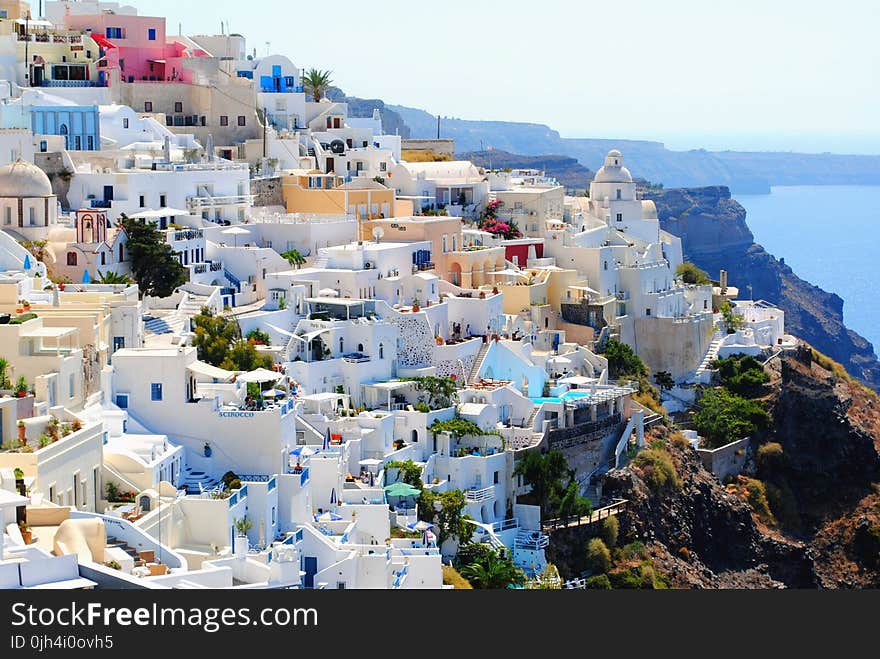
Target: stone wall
column 267, row 191
column 726, row 461
column 59, row 175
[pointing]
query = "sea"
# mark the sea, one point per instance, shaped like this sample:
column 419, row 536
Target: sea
column 829, row 235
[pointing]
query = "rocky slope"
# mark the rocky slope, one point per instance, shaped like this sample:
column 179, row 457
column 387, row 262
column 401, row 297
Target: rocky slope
column 568, row 171
column 715, row 236
column 825, row 534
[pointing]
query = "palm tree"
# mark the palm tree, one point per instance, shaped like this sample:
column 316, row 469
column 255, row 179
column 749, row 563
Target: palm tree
column 492, row 572
column 4, row 379
column 110, row 277
column 294, row 258
column 317, row 82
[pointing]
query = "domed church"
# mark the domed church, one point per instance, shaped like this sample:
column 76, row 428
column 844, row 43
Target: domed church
column 28, row 207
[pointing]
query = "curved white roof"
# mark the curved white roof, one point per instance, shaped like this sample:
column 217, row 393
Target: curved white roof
column 22, row 180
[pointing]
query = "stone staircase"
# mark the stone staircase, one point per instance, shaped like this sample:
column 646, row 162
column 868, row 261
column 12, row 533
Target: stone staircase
column 473, row 376
column 703, row 371
column 119, row 544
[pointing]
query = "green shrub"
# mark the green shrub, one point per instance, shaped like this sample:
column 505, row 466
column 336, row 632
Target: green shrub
column 610, row 530
column 784, row 505
column 634, row 550
column 723, row 417
column 598, row 556
column 756, row 495
column 743, row 375
column 691, row 274
column 599, row 582
column 623, row 361
column 770, row 459
column 451, row 577
column 657, row 469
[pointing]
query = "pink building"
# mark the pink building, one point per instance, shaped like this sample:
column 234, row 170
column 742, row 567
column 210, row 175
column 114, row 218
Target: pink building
column 136, row 47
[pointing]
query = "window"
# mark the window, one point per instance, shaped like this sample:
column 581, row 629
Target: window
column 148, row 106
column 495, row 478
column 620, row 217
column 71, row 386
column 178, row 107
column 341, row 345
column 242, row 121
column 151, row 34
column 444, row 244
column 648, row 311
column 52, row 493
column 78, row 142
column 125, row 122
column 273, row 515
column 7, row 215
column 44, row 146
column 156, row 391
column 705, row 304
column 383, row 166
column 71, row 258
column 381, row 351
column 618, row 193
column 163, row 201
column 142, row 200
column 76, row 490
column 114, row 33
column 91, row 141
column 103, row 258
column 122, row 401
column 606, row 265
column 224, row 120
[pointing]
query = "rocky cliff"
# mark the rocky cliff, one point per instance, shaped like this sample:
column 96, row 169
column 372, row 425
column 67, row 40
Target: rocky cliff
column 568, row 171
column 824, row 531
column 715, row 236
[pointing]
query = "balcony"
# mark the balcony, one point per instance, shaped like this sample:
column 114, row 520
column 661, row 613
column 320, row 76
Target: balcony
column 478, row 496
column 189, row 234
column 100, row 203
column 198, row 204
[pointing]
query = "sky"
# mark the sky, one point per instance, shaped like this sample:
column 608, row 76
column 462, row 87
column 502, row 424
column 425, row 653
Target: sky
column 780, row 74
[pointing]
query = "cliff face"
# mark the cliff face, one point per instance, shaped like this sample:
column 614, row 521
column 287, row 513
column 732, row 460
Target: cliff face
column 715, row 236
column 826, row 530
column 568, row 171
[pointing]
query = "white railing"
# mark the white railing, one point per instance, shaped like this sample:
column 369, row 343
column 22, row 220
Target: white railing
column 477, row 496
column 197, row 204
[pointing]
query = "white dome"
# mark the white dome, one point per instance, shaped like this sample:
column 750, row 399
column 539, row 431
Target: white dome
column 613, row 170
column 24, row 180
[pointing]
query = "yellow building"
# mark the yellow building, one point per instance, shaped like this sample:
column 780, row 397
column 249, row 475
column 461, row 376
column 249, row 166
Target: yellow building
column 468, row 267
column 311, row 191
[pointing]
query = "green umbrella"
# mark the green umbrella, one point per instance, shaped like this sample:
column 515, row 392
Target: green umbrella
column 401, row 490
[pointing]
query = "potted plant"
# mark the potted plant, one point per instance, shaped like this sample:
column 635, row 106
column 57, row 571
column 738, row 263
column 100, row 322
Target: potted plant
column 21, row 387
column 76, row 425
column 53, row 428
column 26, row 305
column 415, row 305
column 482, row 295
column 494, row 290
column 26, row 533
column 22, row 432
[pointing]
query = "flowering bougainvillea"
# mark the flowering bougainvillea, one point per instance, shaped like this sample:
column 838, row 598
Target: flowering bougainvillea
column 489, row 222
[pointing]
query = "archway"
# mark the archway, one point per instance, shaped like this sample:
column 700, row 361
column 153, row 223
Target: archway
column 145, row 503
column 455, row 273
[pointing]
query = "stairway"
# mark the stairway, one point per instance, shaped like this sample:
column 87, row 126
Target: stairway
column 703, row 372
column 119, row 544
column 530, row 422
column 192, row 305
column 473, row 376
column 320, row 262
column 193, row 478
column 171, row 324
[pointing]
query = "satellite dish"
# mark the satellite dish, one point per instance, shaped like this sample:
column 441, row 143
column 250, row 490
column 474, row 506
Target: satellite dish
column 378, row 232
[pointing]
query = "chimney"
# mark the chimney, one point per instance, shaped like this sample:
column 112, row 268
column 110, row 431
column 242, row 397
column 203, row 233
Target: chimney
column 723, row 282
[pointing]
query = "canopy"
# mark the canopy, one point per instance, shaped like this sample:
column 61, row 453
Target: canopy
column 420, row 526
column 328, row 517
column 509, row 273
column 160, row 212
column 235, row 231
column 401, row 490
column 328, row 292
column 303, row 451
column 260, row 375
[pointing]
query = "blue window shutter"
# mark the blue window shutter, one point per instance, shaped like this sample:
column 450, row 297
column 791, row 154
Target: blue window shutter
column 266, row 83
column 276, row 71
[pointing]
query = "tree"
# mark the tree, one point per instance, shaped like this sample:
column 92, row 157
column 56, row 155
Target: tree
column 407, row 472
column 153, row 263
column 317, row 82
column 723, row 417
column 492, row 571
column 294, row 258
column 243, row 356
column 110, row 277
column 4, row 379
column 610, row 531
column 544, row 472
column 732, row 321
column 598, row 556
column 213, row 336
column 664, row 380
column 622, row 361
column 691, row 274
column 572, row 504
column 743, row 375
column 450, row 519
column 442, row 392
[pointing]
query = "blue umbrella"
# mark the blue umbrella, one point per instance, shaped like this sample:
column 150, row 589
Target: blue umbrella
column 326, row 444
column 27, row 261
column 333, row 495
column 87, row 278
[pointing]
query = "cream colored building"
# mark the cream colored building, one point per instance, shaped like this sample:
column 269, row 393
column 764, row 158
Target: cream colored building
column 311, row 191
column 28, row 207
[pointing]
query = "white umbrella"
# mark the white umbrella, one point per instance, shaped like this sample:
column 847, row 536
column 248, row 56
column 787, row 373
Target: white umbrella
column 259, row 376
column 161, row 212
column 328, row 292
column 509, row 273
column 235, row 231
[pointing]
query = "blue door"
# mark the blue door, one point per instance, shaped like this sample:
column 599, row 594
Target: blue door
column 310, row 567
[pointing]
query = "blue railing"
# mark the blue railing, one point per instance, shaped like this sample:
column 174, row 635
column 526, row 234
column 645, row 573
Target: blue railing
column 272, row 484
column 99, row 203
column 304, row 476
column 232, row 278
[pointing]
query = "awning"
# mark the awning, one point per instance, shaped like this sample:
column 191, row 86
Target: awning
column 49, row 332
column 401, row 490
column 157, row 61
column 309, row 336
column 259, row 376
column 210, row 371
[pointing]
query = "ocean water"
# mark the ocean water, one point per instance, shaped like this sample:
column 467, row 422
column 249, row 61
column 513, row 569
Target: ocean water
column 829, row 235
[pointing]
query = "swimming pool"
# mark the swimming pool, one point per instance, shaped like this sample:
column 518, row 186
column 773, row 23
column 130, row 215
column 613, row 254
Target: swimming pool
column 567, row 396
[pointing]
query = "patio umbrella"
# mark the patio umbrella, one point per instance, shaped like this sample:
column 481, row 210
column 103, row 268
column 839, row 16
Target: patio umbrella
column 236, row 232
column 420, row 526
column 27, row 261
column 333, row 495
column 328, row 292
column 259, row 376
column 326, row 443
column 401, row 490
column 87, row 278
column 372, row 479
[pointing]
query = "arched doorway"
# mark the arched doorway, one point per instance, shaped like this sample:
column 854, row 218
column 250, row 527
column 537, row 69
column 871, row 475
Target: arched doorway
column 455, row 273
column 145, row 503
column 415, row 436
column 63, row 131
